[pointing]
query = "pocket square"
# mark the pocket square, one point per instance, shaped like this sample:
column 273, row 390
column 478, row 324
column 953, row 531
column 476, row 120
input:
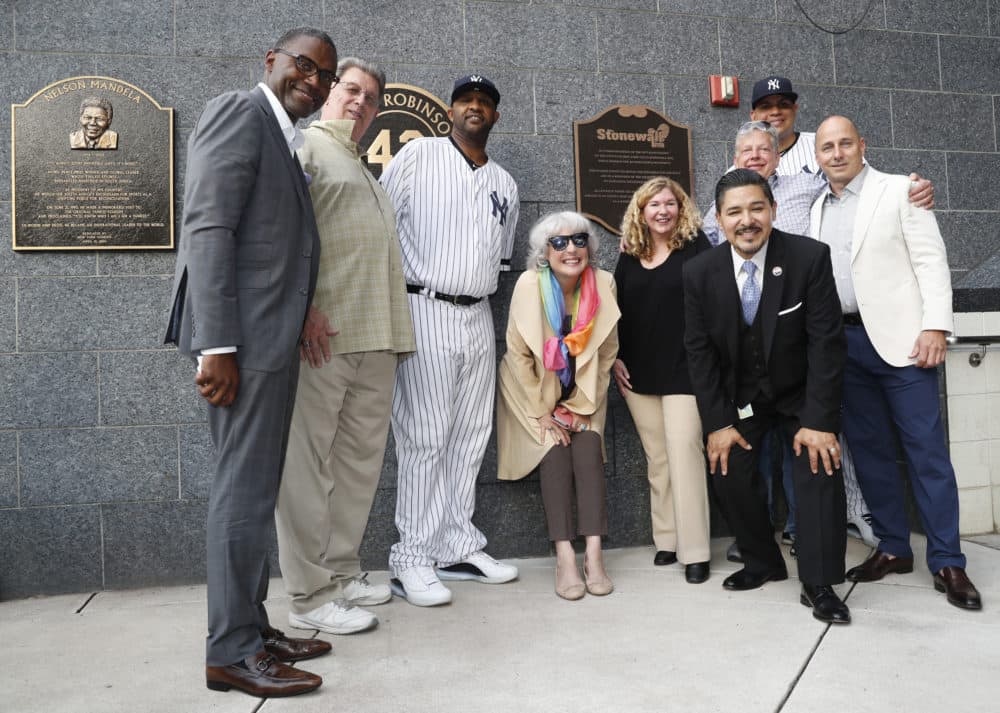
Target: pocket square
column 790, row 309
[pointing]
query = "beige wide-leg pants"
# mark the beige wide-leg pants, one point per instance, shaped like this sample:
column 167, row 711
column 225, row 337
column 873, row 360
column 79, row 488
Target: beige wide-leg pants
column 670, row 430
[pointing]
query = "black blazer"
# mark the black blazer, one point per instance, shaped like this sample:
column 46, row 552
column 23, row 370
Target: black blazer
column 800, row 315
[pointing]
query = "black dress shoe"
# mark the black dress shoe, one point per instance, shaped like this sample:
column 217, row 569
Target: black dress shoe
column 879, row 565
column 696, row 572
column 961, row 592
column 733, row 554
column 664, row 557
column 743, row 580
column 287, row 649
column 825, row 603
column 261, row 675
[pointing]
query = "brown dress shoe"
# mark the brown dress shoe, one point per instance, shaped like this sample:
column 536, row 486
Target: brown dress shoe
column 287, row 649
column 879, row 565
column 961, row 592
column 263, row 676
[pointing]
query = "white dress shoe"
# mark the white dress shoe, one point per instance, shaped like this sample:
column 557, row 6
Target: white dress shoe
column 362, row 593
column 334, row 618
column 479, row 567
column 420, row 586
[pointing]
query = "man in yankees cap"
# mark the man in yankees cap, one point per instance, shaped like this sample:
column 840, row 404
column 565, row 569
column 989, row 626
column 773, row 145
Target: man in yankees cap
column 456, row 211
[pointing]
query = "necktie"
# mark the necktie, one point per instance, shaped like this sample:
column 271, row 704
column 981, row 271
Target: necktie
column 750, row 297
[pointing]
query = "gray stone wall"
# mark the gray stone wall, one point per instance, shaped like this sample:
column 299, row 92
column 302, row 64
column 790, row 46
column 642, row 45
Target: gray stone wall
column 104, row 456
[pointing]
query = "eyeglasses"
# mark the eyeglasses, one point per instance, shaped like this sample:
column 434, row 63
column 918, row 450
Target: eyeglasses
column 354, row 91
column 561, row 242
column 308, row 68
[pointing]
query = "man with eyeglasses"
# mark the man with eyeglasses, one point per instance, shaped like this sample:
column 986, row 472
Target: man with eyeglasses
column 357, row 329
column 246, row 270
column 456, row 211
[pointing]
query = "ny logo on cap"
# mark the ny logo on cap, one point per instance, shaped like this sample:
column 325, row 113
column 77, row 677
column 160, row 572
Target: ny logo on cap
column 475, row 78
column 773, row 84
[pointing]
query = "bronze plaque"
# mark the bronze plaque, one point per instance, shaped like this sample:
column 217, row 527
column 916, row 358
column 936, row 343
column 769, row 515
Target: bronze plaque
column 619, row 150
column 407, row 113
column 92, row 162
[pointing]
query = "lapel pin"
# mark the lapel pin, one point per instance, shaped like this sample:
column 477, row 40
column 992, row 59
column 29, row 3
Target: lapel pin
column 776, row 271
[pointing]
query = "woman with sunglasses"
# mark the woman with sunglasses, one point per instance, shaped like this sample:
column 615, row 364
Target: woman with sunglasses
column 661, row 230
column 561, row 342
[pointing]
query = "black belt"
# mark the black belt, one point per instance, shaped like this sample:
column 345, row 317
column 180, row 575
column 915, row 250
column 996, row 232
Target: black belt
column 853, row 319
column 460, row 300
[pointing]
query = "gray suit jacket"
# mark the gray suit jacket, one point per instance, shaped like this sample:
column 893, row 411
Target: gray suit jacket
column 249, row 248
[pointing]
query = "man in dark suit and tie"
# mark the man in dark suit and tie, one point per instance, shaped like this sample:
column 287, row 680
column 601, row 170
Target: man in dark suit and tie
column 246, row 270
column 766, row 348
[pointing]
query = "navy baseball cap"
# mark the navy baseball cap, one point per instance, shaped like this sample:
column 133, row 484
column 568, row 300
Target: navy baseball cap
column 477, row 82
column 772, row 85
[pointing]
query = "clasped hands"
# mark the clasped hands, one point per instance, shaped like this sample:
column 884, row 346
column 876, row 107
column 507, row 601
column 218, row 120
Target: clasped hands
column 821, row 446
column 560, row 433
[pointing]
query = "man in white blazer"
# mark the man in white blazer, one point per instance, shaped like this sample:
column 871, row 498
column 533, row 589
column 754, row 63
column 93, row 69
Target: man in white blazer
column 892, row 276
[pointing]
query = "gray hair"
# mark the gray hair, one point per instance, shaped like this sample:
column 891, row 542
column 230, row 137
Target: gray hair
column 369, row 68
column 566, row 222
column 764, row 126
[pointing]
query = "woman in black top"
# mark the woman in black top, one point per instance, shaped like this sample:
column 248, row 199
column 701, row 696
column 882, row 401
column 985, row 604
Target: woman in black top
column 660, row 232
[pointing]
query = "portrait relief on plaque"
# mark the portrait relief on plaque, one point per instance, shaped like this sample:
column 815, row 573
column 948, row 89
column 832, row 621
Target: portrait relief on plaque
column 92, row 168
column 407, row 113
column 95, row 122
column 621, row 148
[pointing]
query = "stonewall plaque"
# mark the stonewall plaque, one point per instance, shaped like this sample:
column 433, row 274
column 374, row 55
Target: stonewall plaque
column 92, row 168
column 407, row 113
column 618, row 150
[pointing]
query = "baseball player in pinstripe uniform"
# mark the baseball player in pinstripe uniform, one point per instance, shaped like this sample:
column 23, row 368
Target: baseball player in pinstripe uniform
column 456, row 211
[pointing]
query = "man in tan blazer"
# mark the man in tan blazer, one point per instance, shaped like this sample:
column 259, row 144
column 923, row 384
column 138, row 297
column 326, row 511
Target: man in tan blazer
column 892, row 276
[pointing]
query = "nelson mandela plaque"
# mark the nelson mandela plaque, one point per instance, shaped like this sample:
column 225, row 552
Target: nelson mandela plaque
column 92, row 168
column 621, row 148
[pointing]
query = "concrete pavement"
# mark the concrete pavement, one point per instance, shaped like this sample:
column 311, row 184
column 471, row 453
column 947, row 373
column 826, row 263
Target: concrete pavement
column 656, row 644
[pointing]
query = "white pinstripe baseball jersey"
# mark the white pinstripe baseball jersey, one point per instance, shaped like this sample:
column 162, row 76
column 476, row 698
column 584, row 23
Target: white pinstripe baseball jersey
column 456, row 225
column 801, row 156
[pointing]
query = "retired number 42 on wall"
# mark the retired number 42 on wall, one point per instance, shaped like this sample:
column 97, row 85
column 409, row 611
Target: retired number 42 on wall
column 407, row 113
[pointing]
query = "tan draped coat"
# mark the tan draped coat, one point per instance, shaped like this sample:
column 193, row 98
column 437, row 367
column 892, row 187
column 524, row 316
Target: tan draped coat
column 527, row 390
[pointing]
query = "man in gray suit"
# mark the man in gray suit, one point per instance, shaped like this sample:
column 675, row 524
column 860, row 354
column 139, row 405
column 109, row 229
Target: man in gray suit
column 246, row 270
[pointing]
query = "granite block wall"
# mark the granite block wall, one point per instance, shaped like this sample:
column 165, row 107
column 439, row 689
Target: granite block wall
column 105, row 461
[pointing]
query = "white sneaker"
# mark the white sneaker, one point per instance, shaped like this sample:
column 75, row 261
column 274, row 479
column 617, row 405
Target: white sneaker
column 860, row 526
column 334, row 618
column 420, row 586
column 362, row 593
column 480, row 567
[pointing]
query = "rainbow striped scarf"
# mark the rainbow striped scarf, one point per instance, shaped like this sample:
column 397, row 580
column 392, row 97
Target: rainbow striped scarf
column 558, row 349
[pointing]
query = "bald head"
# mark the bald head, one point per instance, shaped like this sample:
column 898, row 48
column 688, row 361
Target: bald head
column 840, row 151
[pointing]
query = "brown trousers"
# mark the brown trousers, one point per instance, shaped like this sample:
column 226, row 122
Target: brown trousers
column 579, row 464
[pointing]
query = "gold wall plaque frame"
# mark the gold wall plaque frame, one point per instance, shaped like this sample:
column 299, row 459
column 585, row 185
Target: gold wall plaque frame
column 618, row 150
column 92, row 168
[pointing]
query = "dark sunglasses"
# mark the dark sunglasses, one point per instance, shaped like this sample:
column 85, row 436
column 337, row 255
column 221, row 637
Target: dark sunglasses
column 561, row 242
column 308, row 68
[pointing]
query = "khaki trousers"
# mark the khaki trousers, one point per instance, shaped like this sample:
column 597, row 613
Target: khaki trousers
column 335, row 451
column 670, row 430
